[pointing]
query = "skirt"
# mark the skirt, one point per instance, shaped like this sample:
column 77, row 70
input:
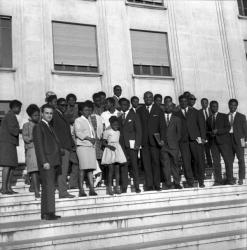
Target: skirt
column 111, row 157
column 87, row 157
column 31, row 160
column 8, row 155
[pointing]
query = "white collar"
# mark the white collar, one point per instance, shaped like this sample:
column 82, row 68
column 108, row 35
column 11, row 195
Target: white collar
column 46, row 122
column 126, row 113
column 234, row 113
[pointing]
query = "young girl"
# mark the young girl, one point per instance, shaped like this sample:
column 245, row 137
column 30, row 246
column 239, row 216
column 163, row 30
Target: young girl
column 33, row 112
column 113, row 153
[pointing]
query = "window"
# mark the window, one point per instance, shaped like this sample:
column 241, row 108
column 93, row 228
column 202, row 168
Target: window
column 150, row 53
column 245, row 46
column 5, row 42
column 148, row 2
column 242, row 6
column 75, row 47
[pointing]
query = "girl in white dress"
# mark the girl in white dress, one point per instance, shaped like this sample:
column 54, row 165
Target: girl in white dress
column 113, row 154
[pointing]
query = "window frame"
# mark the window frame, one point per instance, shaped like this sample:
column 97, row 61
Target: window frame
column 67, row 72
column 163, row 6
column 151, row 66
column 241, row 10
column 2, row 68
column 245, row 42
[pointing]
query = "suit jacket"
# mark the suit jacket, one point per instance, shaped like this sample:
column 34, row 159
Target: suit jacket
column 63, row 131
column 131, row 129
column 47, row 146
column 202, row 113
column 222, row 125
column 193, row 126
column 116, row 102
column 239, row 128
column 152, row 122
column 10, row 129
column 173, row 132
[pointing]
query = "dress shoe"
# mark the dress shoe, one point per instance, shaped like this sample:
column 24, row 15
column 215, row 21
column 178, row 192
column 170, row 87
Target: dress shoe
column 201, row 185
column 190, row 185
column 230, row 183
column 6, row 192
column 138, row 190
column 217, row 184
column 110, row 191
column 66, row 196
column 82, row 194
column 37, row 195
column 177, row 186
column 149, row 189
column 92, row 193
column 240, row 182
column 124, row 190
column 50, row 216
column 11, row 191
column 157, row 189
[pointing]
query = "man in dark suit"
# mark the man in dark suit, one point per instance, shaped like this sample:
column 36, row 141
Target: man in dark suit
column 238, row 133
column 63, row 132
column 134, row 103
column 191, row 144
column 170, row 150
column 205, row 112
column 130, row 139
column 218, row 128
column 152, row 121
column 47, row 148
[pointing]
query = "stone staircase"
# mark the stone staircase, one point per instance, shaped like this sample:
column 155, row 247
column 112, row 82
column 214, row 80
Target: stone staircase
column 187, row 219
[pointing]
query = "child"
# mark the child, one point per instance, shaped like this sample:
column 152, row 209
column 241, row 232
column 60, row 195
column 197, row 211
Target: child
column 113, row 153
column 33, row 112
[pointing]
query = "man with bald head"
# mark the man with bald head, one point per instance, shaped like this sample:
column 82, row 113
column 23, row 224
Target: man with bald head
column 153, row 122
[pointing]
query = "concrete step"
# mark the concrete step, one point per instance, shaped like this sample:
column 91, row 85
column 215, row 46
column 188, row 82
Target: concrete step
column 24, row 211
column 210, row 241
column 15, row 231
column 133, row 234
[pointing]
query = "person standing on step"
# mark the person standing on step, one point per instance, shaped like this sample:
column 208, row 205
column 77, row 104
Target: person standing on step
column 130, row 140
column 63, row 132
column 152, row 121
column 48, row 153
column 193, row 136
column 169, row 154
column 117, row 91
column 238, row 134
column 9, row 140
column 85, row 146
column 218, row 128
column 113, row 155
column 33, row 112
column 134, row 103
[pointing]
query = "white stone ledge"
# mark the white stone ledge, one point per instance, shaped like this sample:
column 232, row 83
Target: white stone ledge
column 147, row 6
column 7, row 69
column 153, row 77
column 71, row 73
column 242, row 17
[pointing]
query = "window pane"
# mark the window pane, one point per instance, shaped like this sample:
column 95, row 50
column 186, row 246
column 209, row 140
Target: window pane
column 5, row 43
column 149, row 48
column 74, row 45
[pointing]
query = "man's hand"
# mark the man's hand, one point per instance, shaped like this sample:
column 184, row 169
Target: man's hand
column 46, row 166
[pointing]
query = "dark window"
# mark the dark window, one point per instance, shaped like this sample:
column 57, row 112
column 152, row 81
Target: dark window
column 148, row 2
column 4, row 108
column 245, row 46
column 5, row 42
column 75, row 47
column 242, row 6
column 150, row 53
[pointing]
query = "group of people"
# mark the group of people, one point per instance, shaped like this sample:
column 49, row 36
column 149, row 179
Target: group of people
column 103, row 138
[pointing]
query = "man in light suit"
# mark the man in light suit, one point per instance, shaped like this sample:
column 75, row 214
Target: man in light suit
column 63, row 132
column 170, row 150
column 218, row 128
column 152, row 121
column 193, row 136
column 238, row 134
column 130, row 130
column 48, row 152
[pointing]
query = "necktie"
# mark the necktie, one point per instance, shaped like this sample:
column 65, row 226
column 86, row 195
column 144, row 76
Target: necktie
column 167, row 119
column 123, row 117
column 214, row 122
column 185, row 113
column 147, row 108
column 206, row 114
column 231, row 119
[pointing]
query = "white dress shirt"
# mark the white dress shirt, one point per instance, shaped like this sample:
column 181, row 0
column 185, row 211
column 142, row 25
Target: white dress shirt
column 229, row 117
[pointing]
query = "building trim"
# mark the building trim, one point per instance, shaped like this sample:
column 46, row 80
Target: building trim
column 10, row 70
column 71, row 73
column 146, row 6
column 153, row 77
column 242, row 17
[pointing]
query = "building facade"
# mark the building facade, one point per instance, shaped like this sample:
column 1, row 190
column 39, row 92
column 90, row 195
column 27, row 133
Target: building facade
column 84, row 46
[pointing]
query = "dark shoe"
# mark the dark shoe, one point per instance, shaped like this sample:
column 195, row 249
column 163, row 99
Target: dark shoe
column 37, row 195
column 202, row 185
column 158, row 189
column 82, row 194
column 92, row 193
column 188, row 185
column 31, row 189
column 177, row 186
column 118, row 190
column 50, row 217
column 66, row 196
column 11, row 191
column 230, row 183
column 74, row 187
column 149, row 189
column 124, row 190
column 217, row 184
column 5, row 192
column 110, row 192
column 138, row 190
column 240, row 182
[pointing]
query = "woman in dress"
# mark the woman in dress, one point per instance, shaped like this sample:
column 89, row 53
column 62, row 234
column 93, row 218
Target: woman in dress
column 9, row 140
column 85, row 146
column 33, row 112
column 113, row 154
